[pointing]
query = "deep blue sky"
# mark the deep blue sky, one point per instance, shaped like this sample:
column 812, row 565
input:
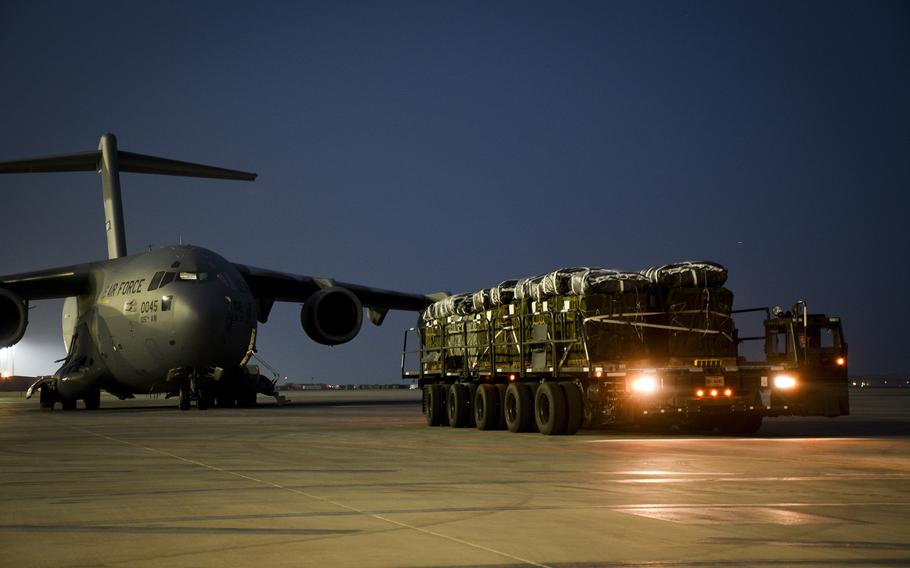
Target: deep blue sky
column 450, row 145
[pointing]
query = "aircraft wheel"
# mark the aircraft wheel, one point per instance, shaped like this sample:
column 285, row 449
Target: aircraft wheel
column 69, row 403
column 246, row 397
column 225, row 400
column 517, row 408
column 46, row 398
column 185, row 399
column 93, row 400
column 204, row 399
column 550, row 409
column 575, row 407
column 486, row 407
column 434, row 404
column 457, row 405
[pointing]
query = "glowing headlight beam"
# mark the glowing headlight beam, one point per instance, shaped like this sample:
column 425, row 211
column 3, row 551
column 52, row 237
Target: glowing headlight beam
column 645, row 384
column 785, row 382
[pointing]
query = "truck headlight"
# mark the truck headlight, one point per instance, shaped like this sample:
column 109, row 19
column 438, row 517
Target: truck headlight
column 645, row 384
column 785, row 382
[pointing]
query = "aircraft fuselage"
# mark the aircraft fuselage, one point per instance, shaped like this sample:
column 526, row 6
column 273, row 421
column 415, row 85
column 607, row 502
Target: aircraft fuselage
column 179, row 307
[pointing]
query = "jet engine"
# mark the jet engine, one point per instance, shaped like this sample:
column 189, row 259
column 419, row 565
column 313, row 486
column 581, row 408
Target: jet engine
column 332, row 316
column 13, row 318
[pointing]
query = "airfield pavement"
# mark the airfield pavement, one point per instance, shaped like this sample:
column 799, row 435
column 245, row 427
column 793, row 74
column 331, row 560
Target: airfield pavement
column 357, row 479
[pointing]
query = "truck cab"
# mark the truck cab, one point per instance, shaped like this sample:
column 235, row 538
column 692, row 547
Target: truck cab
column 808, row 358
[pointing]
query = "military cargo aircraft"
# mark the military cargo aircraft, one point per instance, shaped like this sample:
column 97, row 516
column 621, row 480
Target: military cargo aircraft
column 180, row 320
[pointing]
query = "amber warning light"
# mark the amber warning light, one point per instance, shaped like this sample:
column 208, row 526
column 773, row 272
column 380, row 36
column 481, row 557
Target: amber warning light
column 700, row 393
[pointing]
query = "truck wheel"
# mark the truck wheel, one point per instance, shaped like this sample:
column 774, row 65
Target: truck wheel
column 550, row 409
column 486, row 407
column 93, row 400
column 457, row 405
column 575, row 407
column 517, row 408
column 748, row 424
column 501, row 399
column 434, row 405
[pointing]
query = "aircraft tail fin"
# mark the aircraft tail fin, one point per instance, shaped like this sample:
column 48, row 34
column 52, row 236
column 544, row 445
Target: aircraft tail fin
column 108, row 161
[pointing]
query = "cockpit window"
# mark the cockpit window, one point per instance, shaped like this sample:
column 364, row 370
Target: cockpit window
column 161, row 279
column 156, row 281
column 167, row 278
column 192, row 276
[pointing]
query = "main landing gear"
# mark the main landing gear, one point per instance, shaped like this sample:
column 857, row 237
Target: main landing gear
column 214, row 387
column 48, row 397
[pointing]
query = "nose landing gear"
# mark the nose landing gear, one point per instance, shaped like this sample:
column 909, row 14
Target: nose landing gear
column 195, row 385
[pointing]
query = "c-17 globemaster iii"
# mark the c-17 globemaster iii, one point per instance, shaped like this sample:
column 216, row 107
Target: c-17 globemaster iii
column 180, row 320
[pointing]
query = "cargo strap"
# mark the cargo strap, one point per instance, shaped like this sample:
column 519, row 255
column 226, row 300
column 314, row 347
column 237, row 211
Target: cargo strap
column 605, row 319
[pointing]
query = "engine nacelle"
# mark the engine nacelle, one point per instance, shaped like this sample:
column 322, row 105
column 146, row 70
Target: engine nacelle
column 13, row 318
column 332, row 316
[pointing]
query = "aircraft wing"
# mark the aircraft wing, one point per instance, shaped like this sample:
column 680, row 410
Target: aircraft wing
column 61, row 282
column 270, row 285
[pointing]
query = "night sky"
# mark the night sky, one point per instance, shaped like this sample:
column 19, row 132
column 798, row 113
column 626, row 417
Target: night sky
column 450, row 145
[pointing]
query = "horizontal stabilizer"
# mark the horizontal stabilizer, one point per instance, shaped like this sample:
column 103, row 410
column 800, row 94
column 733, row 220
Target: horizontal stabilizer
column 108, row 161
column 129, row 162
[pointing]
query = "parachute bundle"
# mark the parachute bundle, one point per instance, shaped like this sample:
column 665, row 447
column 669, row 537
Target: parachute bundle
column 697, row 274
column 581, row 282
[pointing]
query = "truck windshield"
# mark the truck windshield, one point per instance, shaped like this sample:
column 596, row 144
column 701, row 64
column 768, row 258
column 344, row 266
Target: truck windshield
column 826, row 337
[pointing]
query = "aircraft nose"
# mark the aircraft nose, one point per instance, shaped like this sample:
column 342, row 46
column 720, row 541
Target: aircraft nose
column 201, row 319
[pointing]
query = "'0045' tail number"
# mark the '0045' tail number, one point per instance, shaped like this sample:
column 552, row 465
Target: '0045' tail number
column 148, row 311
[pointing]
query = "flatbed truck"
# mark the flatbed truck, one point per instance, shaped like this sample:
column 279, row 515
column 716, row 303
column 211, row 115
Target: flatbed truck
column 645, row 356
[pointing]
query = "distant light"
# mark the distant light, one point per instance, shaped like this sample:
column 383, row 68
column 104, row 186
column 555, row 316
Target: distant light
column 512, row 377
column 841, row 361
column 728, row 392
column 713, row 392
column 699, row 393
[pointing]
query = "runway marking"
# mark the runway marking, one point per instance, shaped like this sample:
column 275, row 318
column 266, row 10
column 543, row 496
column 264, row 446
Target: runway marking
column 378, row 517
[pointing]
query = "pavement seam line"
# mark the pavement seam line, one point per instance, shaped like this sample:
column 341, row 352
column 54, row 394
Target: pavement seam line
column 382, row 518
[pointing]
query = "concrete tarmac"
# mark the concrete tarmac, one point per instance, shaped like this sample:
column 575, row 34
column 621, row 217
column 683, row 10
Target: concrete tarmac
column 357, row 479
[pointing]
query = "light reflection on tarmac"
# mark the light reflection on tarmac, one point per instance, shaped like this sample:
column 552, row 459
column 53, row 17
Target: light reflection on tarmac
column 356, row 479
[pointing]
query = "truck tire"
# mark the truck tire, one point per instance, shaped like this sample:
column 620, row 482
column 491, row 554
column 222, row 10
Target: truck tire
column 501, row 397
column 518, row 408
column 751, row 424
column 740, row 425
column 457, row 405
column 486, row 407
column 435, row 405
column 575, row 407
column 550, row 409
